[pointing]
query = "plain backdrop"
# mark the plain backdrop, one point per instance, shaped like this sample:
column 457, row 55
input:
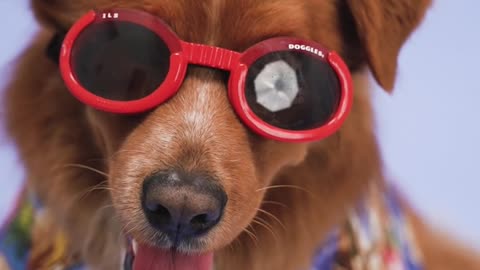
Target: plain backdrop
column 428, row 129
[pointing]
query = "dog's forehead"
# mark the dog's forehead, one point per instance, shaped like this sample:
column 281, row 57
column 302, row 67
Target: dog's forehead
column 234, row 24
column 239, row 24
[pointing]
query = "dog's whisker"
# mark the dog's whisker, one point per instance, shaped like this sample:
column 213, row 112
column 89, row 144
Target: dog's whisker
column 308, row 192
column 101, row 189
column 233, row 244
column 282, row 186
column 252, row 235
column 275, row 203
column 267, row 227
column 81, row 195
column 273, row 217
column 265, row 222
column 82, row 166
column 127, row 227
column 98, row 187
column 105, row 207
column 78, row 197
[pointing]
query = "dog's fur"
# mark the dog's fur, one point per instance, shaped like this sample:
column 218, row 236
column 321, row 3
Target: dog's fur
column 300, row 190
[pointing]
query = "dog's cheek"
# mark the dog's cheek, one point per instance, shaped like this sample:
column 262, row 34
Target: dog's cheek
column 272, row 156
column 110, row 130
column 247, row 189
column 244, row 200
column 125, row 182
column 126, row 199
column 98, row 132
column 235, row 169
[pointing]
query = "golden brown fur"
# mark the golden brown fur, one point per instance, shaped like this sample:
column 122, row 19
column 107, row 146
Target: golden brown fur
column 57, row 136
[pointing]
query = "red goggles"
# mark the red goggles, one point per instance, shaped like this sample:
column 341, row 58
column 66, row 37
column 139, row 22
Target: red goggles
column 127, row 61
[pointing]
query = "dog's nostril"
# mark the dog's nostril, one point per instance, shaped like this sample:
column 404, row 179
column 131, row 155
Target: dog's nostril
column 158, row 212
column 199, row 220
column 203, row 221
column 155, row 207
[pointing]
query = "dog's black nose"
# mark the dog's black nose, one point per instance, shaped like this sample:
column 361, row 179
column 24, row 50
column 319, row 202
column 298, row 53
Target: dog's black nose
column 182, row 205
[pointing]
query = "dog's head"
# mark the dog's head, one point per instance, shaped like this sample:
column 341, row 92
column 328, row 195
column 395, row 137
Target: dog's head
column 189, row 175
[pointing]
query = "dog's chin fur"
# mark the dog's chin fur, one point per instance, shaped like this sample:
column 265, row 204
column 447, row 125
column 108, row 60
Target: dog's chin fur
column 283, row 198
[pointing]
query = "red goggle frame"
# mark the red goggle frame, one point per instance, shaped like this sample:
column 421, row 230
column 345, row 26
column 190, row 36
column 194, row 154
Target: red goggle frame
column 184, row 53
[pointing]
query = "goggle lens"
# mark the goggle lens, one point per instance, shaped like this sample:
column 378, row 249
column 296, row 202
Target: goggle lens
column 292, row 90
column 120, row 60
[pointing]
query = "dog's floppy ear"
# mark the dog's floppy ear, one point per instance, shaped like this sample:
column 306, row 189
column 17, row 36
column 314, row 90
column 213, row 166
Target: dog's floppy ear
column 383, row 26
column 57, row 14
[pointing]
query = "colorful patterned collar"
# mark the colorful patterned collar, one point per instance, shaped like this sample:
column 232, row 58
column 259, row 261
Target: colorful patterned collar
column 377, row 236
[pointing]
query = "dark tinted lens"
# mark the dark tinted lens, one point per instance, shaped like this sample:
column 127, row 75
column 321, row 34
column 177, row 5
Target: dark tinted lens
column 292, row 90
column 120, row 60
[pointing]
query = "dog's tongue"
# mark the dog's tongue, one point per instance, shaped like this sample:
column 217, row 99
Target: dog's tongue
column 150, row 258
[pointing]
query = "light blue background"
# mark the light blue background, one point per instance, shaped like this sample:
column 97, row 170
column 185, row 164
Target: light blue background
column 428, row 129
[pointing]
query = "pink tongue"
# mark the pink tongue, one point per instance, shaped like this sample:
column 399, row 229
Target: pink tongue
column 150, row 258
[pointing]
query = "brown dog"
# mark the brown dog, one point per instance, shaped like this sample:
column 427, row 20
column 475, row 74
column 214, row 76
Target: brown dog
column 89, row 167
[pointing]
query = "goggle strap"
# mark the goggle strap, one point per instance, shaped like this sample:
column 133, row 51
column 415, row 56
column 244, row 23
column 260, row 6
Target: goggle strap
column 54, row 47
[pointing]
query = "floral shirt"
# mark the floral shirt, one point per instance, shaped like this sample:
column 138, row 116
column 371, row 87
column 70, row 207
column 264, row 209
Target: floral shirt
column 30, row 240
column 377, row 236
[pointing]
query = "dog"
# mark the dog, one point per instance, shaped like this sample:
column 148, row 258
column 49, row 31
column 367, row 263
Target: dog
column 274, row 203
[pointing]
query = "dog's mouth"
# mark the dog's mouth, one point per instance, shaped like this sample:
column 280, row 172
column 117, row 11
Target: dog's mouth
column 143, row 257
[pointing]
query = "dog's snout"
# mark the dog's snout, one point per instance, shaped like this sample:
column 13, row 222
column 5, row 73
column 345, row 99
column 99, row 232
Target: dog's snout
column 182, row 205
